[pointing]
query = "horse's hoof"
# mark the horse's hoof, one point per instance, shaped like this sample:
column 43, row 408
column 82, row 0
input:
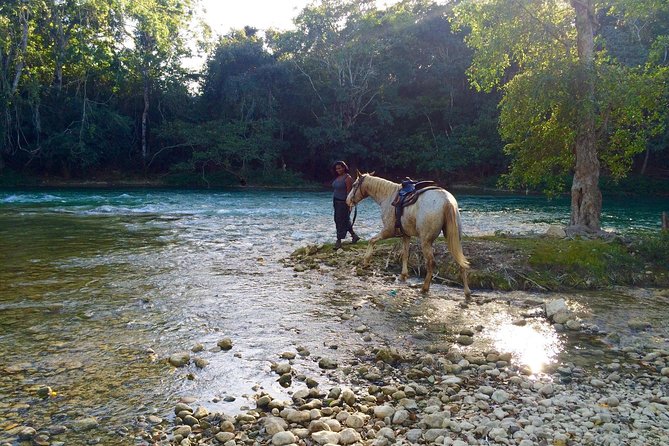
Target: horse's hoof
column 404, row 277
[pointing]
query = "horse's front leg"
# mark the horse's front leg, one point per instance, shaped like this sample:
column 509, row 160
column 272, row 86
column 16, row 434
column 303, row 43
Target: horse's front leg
column 405, row 258
column 384, row 234
column 428, row 254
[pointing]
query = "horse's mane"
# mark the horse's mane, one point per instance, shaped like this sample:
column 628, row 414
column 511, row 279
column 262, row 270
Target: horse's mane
column 378, row 185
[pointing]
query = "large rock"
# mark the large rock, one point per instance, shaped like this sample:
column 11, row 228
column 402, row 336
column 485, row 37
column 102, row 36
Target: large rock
column 555, row 306
column 384, row 411
column 180, row 359
column 274, row 425
column 224, row 437
column 225, row 344
column 349, row 436
column 85, row 424
column 327, row 363
column 283, row 438
column 282, row 369
column 556, row 231
column 325, row 437
column 298, row 416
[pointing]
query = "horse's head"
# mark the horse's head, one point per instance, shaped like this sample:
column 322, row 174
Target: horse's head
column 358, row 191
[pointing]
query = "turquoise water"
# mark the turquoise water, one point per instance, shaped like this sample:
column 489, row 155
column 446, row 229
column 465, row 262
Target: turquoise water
column 309, row 212
column 99, row 287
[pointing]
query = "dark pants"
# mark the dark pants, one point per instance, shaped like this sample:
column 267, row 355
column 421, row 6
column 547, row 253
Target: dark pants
column 342, row 218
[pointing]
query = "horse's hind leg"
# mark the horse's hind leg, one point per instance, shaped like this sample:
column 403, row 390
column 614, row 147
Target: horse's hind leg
column 428, row 254
column 405, row 258
column 465, row 282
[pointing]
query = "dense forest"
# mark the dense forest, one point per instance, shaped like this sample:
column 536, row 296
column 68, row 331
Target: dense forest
column 488, row 92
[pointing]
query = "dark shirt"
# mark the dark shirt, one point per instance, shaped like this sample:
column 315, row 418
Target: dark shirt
column 339, row 186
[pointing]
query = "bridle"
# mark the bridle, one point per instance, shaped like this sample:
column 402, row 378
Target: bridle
column 357, row 188
column 361, row 178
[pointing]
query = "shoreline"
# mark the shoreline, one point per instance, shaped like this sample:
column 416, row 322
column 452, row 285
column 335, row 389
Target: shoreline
column 449, row 396
column 452, row 393
column 159, row 183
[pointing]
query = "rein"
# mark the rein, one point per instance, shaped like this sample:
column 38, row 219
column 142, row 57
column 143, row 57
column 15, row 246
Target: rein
column 355, row 206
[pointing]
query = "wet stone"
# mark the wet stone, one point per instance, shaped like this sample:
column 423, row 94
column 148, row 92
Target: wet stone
column 225, row 344
column 179, row 359
column 464, row 340
column 282, row 369
column 84, row 424
column 27, row 433
column 201, row 363
column 327, row 363
column 181, row 407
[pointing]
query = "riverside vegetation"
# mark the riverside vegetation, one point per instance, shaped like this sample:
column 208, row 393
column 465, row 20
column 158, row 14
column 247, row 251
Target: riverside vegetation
column 512, row 262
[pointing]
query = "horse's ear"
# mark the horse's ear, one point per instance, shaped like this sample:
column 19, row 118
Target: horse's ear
column 372, row 172
column 357, row 173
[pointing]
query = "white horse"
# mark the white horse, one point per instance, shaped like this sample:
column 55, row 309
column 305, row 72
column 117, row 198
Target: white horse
column 435, row 211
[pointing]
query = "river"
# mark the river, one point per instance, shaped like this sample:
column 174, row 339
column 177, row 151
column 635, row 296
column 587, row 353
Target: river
column 99, row 287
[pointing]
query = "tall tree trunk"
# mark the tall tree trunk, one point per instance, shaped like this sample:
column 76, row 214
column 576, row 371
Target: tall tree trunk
column 145, row 116
column 59, row 46
column 645, row 162
column 22, row 50
column 586, row 198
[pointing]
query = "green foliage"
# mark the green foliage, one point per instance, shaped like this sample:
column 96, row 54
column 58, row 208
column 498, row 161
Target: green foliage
column 98, row 85
column 579, row 263
column 653, row 248
column 633, row 103
column 538, row 119
column 11, row 178
column 635, row 185
column 528, row 49
column 581, row 256
column 235, row 147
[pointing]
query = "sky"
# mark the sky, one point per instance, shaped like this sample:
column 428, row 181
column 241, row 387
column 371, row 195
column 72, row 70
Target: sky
column 262, row 14
column 224, row 15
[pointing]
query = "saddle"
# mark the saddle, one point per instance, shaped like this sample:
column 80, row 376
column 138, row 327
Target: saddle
column 407, row 196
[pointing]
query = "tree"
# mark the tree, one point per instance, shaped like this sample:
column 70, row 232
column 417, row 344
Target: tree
column 238, row 129
column 586, row 198
column 555, row 115
column 157, row 29
column 338, row 58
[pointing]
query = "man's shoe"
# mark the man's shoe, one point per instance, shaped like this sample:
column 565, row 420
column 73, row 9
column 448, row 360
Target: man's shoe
column 355, row 238
column 337, row 244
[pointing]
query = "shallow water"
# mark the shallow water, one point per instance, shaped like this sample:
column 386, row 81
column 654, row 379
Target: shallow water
column 99, row 287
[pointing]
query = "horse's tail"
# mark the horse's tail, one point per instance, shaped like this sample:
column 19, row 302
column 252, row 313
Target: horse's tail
column 452, row 232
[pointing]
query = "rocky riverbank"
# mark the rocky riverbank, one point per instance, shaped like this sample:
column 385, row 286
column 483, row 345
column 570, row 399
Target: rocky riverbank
column 453, row 393
column 450, row 389
column 445, row 395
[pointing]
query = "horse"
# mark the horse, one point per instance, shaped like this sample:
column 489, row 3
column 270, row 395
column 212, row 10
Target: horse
column 434, row 211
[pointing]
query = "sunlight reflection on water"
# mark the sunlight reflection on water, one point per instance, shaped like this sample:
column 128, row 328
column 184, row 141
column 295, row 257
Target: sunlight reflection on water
column 534, row 345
